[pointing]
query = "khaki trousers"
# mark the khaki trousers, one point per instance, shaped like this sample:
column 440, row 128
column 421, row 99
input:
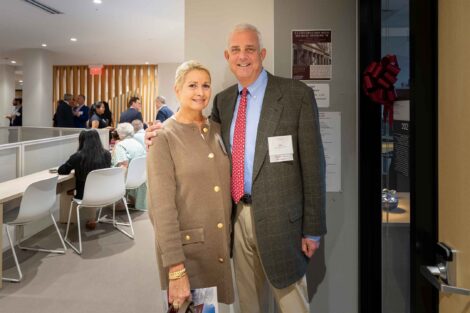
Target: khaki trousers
column 253, row 287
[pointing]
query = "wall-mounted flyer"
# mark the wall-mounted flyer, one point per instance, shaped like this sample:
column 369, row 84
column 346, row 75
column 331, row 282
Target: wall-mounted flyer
column 322, row 94
column 330, row 129
column 311, row 54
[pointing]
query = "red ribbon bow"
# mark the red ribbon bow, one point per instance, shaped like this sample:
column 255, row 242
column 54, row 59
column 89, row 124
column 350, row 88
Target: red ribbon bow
column 378, row 80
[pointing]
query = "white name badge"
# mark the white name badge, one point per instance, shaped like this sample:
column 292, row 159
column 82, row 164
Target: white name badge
column 280, row 149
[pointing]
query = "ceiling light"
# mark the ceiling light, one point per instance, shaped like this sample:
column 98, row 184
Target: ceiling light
column 43, row 45
column 20, row 81
column 97, row 1
column 73, row 39
column 13, row 62
column 146, row 63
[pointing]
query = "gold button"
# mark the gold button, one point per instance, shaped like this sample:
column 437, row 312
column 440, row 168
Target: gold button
column 216, row 188
column 187, row 237
column 220, row 225
column 205, row 129
column 221, row 260
column 211, row 155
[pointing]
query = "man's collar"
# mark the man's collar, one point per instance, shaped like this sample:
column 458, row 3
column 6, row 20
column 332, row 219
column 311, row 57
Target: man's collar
column 260, row 81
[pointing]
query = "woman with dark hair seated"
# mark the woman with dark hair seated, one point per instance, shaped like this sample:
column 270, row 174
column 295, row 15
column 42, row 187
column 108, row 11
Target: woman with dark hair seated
column 97, row 116
column 90, row 156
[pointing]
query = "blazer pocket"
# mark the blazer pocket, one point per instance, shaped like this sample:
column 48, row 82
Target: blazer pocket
column 295, row 215
column 190, row 236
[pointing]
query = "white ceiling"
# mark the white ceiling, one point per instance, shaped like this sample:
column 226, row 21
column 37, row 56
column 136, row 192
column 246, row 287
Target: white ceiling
column 114, row 32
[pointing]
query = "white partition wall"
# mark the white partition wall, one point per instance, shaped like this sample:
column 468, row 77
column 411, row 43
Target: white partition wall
column 26, row 150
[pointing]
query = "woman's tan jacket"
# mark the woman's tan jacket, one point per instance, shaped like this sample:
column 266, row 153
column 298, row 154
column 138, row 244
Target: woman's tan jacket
column 190, row 206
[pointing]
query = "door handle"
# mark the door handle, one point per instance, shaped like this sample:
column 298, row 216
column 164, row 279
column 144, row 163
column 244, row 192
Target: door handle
column 444, row 275
column 429, row 272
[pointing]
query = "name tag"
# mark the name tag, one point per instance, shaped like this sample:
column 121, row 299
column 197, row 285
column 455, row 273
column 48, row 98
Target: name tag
column 280, row 149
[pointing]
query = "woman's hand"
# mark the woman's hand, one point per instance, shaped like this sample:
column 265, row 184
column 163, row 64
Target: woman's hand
column 178, row 289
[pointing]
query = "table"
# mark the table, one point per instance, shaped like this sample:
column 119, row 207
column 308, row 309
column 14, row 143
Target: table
column 13, row 189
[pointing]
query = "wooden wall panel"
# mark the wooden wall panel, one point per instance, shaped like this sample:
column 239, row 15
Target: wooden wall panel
column 117, row 73
column 116, row 85
column 61, row 82
column 110, row 82
column 76, row 83
column 96, row 88
column 68, row 80
column 103, row 77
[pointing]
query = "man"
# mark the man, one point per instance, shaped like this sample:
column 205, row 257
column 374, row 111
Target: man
column 81, row 112
column 139, row 132
column 63, row 116
column 133, row 113
column 16, row 117
column 270, row 128
column 163, row 111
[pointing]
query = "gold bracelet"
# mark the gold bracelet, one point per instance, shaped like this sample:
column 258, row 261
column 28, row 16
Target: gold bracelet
column 177, row 274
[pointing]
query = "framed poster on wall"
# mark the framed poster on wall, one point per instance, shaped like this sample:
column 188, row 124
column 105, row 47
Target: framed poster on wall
column 311, row 54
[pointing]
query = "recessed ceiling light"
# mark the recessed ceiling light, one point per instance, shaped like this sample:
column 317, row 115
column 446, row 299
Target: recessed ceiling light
column 97, row 1
column 73, row 39
column 13, row 62
column 43, row 45
column 20, row 81
column 146, row 63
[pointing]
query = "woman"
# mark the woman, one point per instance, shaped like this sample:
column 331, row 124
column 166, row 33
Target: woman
column 90, row 156
column 126, row 149
column 97, row 119
column 189, row 194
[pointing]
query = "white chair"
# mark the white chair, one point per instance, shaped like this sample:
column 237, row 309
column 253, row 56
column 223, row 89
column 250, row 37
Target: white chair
column 102, row 188
column 136, row 174
column 36, row 203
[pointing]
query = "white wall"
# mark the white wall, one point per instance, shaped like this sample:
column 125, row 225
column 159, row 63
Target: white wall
column 7, row 92
column 208, row 24
column 166, row 79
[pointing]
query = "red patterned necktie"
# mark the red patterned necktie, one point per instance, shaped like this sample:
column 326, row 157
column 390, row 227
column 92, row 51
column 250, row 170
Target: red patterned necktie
column 238, row 150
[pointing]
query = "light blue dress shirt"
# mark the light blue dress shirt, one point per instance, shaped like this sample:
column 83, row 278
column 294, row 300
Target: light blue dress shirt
column 254, row 102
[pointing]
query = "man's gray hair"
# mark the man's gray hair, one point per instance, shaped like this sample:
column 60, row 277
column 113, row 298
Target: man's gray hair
column 68, row 97
column 125, row 130
column 246, row 27
column 162, row 99
column 138, row 125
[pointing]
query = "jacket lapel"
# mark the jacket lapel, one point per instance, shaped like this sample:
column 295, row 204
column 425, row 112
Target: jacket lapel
column 268, row 122
column 228, row 102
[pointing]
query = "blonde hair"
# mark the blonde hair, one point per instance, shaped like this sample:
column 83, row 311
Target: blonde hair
column 187, row 67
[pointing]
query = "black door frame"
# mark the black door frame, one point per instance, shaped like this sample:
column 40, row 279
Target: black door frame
column 423, row 158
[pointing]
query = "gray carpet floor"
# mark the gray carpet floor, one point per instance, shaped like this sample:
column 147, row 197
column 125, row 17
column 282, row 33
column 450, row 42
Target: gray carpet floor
column 114, row 274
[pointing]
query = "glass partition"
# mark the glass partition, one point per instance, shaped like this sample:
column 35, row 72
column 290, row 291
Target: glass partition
column 26, row 150
column 395, row 164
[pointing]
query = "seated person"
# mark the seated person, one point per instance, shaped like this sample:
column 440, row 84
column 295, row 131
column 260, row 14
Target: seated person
column 90, row 156
column 97, row 119
column 139, row 132
column 124, row 151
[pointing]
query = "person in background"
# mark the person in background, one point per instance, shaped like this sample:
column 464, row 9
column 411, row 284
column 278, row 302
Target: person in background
column 90, row 156
column 108, row 115
column 97, row 119
column 126, row 149
column 188, row 174
column 81, row 112
column 133, row 113
column 139, row 132
column 16, row 117
column 163, row 111
column 63, row 116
